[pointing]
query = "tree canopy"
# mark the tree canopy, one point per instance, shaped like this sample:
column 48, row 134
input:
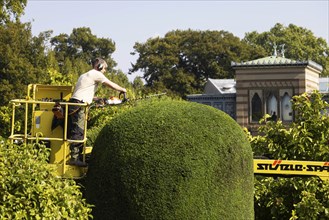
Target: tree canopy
column 300, row 43
column 81, row 44
column 182, row 61
column 11, row 10
column 22, row 60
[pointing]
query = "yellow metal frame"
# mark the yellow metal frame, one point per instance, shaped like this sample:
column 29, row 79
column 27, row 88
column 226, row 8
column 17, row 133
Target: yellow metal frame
column 292, row 167
column 38, row 114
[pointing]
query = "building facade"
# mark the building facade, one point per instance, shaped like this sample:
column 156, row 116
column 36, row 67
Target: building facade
column 262, row 86
column 220, row 94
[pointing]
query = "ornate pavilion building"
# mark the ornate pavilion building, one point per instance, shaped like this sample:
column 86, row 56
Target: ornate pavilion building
column 262, row 86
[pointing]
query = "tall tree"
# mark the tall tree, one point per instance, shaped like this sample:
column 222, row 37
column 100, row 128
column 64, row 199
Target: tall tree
column 22, row 60
column 75, row 52
column 11, row 10
column 299, row 43
column 80, row 47
column 62, row 47
column 182, row 61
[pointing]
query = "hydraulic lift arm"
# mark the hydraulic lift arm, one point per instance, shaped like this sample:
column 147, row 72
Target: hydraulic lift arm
column 291, row 168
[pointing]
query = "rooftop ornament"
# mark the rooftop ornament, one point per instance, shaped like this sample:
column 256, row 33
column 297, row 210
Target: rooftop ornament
column 276, row 59
column 275, row 53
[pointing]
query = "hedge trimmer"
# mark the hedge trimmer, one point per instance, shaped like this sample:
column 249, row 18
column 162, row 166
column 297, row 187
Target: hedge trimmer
column 122, row 98
column 113, row 100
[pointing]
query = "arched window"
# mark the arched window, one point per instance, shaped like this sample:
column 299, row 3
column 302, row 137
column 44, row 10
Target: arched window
column 272, row 105
column 286, row 108
column 256, row 108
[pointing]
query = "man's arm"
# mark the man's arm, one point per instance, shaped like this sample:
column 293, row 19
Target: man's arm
column 115, row 86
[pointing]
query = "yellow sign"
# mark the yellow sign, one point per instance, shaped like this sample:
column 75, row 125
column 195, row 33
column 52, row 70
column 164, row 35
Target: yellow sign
column 292, row 167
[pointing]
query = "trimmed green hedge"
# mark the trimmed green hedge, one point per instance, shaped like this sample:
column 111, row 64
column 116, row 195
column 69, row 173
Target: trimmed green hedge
column 171, row 160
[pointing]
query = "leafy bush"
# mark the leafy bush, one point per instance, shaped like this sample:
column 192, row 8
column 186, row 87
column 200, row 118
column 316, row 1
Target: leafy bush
column 5, row 121
column 305, row 139
column 291, row 198
column 171, row 160
column 29, row 190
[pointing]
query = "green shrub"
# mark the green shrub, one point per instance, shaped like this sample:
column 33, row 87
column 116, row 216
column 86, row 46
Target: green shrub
column 306, row 138
column 171, row 160
column 29, row 190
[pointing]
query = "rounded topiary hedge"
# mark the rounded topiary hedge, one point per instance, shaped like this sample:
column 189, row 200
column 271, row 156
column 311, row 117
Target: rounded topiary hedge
column 171, row 160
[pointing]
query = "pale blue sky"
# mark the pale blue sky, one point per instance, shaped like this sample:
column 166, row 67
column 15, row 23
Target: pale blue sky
column 127, row 22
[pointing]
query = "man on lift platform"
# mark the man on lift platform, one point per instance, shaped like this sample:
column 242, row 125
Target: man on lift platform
column 84, row 92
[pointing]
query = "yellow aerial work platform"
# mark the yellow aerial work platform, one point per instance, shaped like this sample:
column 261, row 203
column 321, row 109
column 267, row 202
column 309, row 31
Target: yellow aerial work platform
column 38, row 120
